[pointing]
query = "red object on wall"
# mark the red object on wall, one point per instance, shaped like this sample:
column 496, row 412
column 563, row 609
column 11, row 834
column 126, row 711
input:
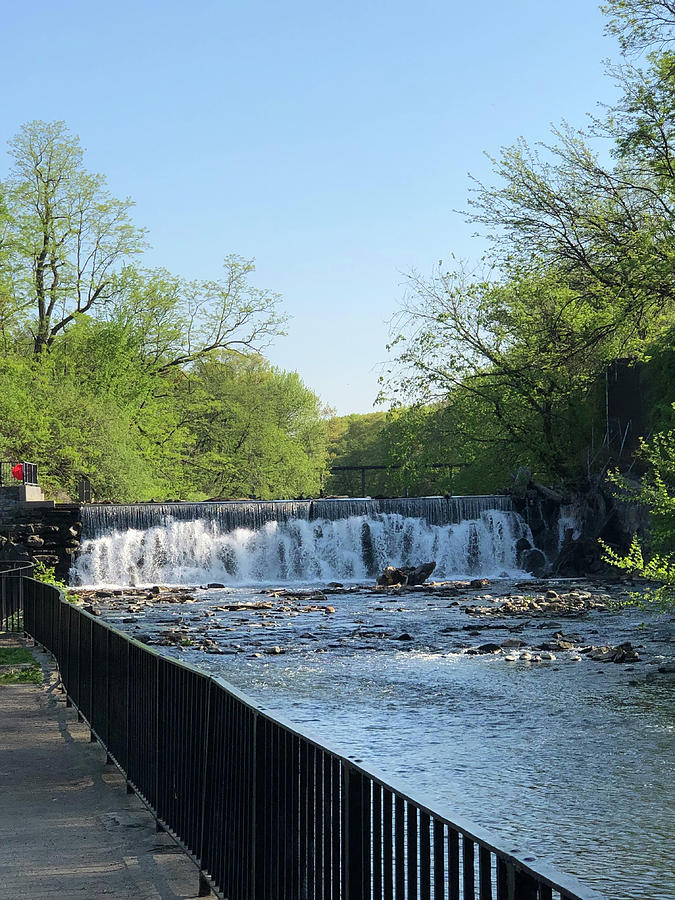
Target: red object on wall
column 17, row 471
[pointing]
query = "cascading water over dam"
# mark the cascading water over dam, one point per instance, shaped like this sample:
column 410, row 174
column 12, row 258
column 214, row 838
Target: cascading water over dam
column 248, row 542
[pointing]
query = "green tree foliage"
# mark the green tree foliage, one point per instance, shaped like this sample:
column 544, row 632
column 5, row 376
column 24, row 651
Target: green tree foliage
column 653, row 559
column 514, row 354
column 256, row 431
column 105, row 363
column 580, row 272
column 408, row 442
column 640, row 24
column 357, row 440
column 65, row 234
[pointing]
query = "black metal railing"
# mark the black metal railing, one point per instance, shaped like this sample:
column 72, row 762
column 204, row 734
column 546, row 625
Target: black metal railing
column 265, row 811
column 13, row 473
column 12, row 573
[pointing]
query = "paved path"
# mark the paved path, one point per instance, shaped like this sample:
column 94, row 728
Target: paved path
column 67, row 826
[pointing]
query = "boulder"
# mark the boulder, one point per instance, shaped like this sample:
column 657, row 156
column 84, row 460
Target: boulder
column 534, row 562
column 489, row 648
column 407, row 575
column 391, row 576
column 522, row 544
column 419, row 574
column 478, row 583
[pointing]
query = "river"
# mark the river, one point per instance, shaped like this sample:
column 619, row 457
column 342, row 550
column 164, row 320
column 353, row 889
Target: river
column 571, row 760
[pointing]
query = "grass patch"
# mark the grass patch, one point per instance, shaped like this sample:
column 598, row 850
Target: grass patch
column 33, row 675
column 11, row 658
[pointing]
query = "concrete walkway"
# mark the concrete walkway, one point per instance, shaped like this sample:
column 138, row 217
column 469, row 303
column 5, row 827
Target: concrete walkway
column 67, row 826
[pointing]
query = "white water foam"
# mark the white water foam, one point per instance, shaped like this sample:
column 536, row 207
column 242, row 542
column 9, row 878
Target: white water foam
column 298, row 550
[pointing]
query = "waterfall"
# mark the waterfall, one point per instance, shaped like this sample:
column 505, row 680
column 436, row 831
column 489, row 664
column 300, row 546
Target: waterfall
column 250, row 542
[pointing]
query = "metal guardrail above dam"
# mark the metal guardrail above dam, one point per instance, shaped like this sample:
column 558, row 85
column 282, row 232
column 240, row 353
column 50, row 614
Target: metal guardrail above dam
column 265, row 811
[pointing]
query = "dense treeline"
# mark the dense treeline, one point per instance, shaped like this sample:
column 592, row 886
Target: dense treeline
column 150, row 385
column 510, row 366
column 154, row 386
column 507, row 364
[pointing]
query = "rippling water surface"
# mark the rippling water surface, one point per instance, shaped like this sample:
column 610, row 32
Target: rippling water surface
column 573, row 761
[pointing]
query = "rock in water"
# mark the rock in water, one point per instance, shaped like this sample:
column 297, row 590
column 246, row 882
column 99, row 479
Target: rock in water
column 391, row 576
column 419, row 574
column 534, row 562
column 406, row 575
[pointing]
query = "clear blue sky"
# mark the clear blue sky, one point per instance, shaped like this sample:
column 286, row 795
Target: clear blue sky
column 330, row 141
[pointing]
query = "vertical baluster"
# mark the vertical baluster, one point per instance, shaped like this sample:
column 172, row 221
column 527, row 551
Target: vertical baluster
column 256, row 836
column 399, row 855
column 502, row 880
column 526, row 887
column 411, row 823
column 353, row 825
column 485, row 873
column 377, row 841
column 328, row 825
column 336, row 822
column 296, row 834
column 425, row 857
column 318, row 823
column 388, row 844
column 468, row 875
column 303, row 778
column 311, row 819
column 366, row 835
column 453, row 864
column 439, row 860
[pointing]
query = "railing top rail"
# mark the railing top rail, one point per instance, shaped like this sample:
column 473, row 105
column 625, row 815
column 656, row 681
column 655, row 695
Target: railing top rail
column 12, row 566
column 567, row 885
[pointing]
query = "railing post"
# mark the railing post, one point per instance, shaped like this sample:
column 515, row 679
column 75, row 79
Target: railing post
column 352, row 834
column 130, row 789
column 526, row 887
column 158, row 696
column 257, row 848
column 205, row 776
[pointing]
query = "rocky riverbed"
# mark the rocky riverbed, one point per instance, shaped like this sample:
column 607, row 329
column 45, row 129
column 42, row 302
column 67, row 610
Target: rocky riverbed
column 530, row 622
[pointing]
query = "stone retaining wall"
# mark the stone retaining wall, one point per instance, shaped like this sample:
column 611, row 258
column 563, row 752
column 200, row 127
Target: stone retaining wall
column 42, row 532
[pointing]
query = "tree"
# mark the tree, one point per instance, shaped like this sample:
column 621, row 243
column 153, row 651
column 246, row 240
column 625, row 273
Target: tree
column 581, row 268
column 256, row 431
column 181, row 321
column 640, row 24
column 97, row 352
column 66, row 234
column 518, row 352
column 653, row 559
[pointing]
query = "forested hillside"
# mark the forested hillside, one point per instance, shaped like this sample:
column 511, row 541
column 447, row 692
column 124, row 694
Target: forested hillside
column 555, row 354
column 149, row 384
